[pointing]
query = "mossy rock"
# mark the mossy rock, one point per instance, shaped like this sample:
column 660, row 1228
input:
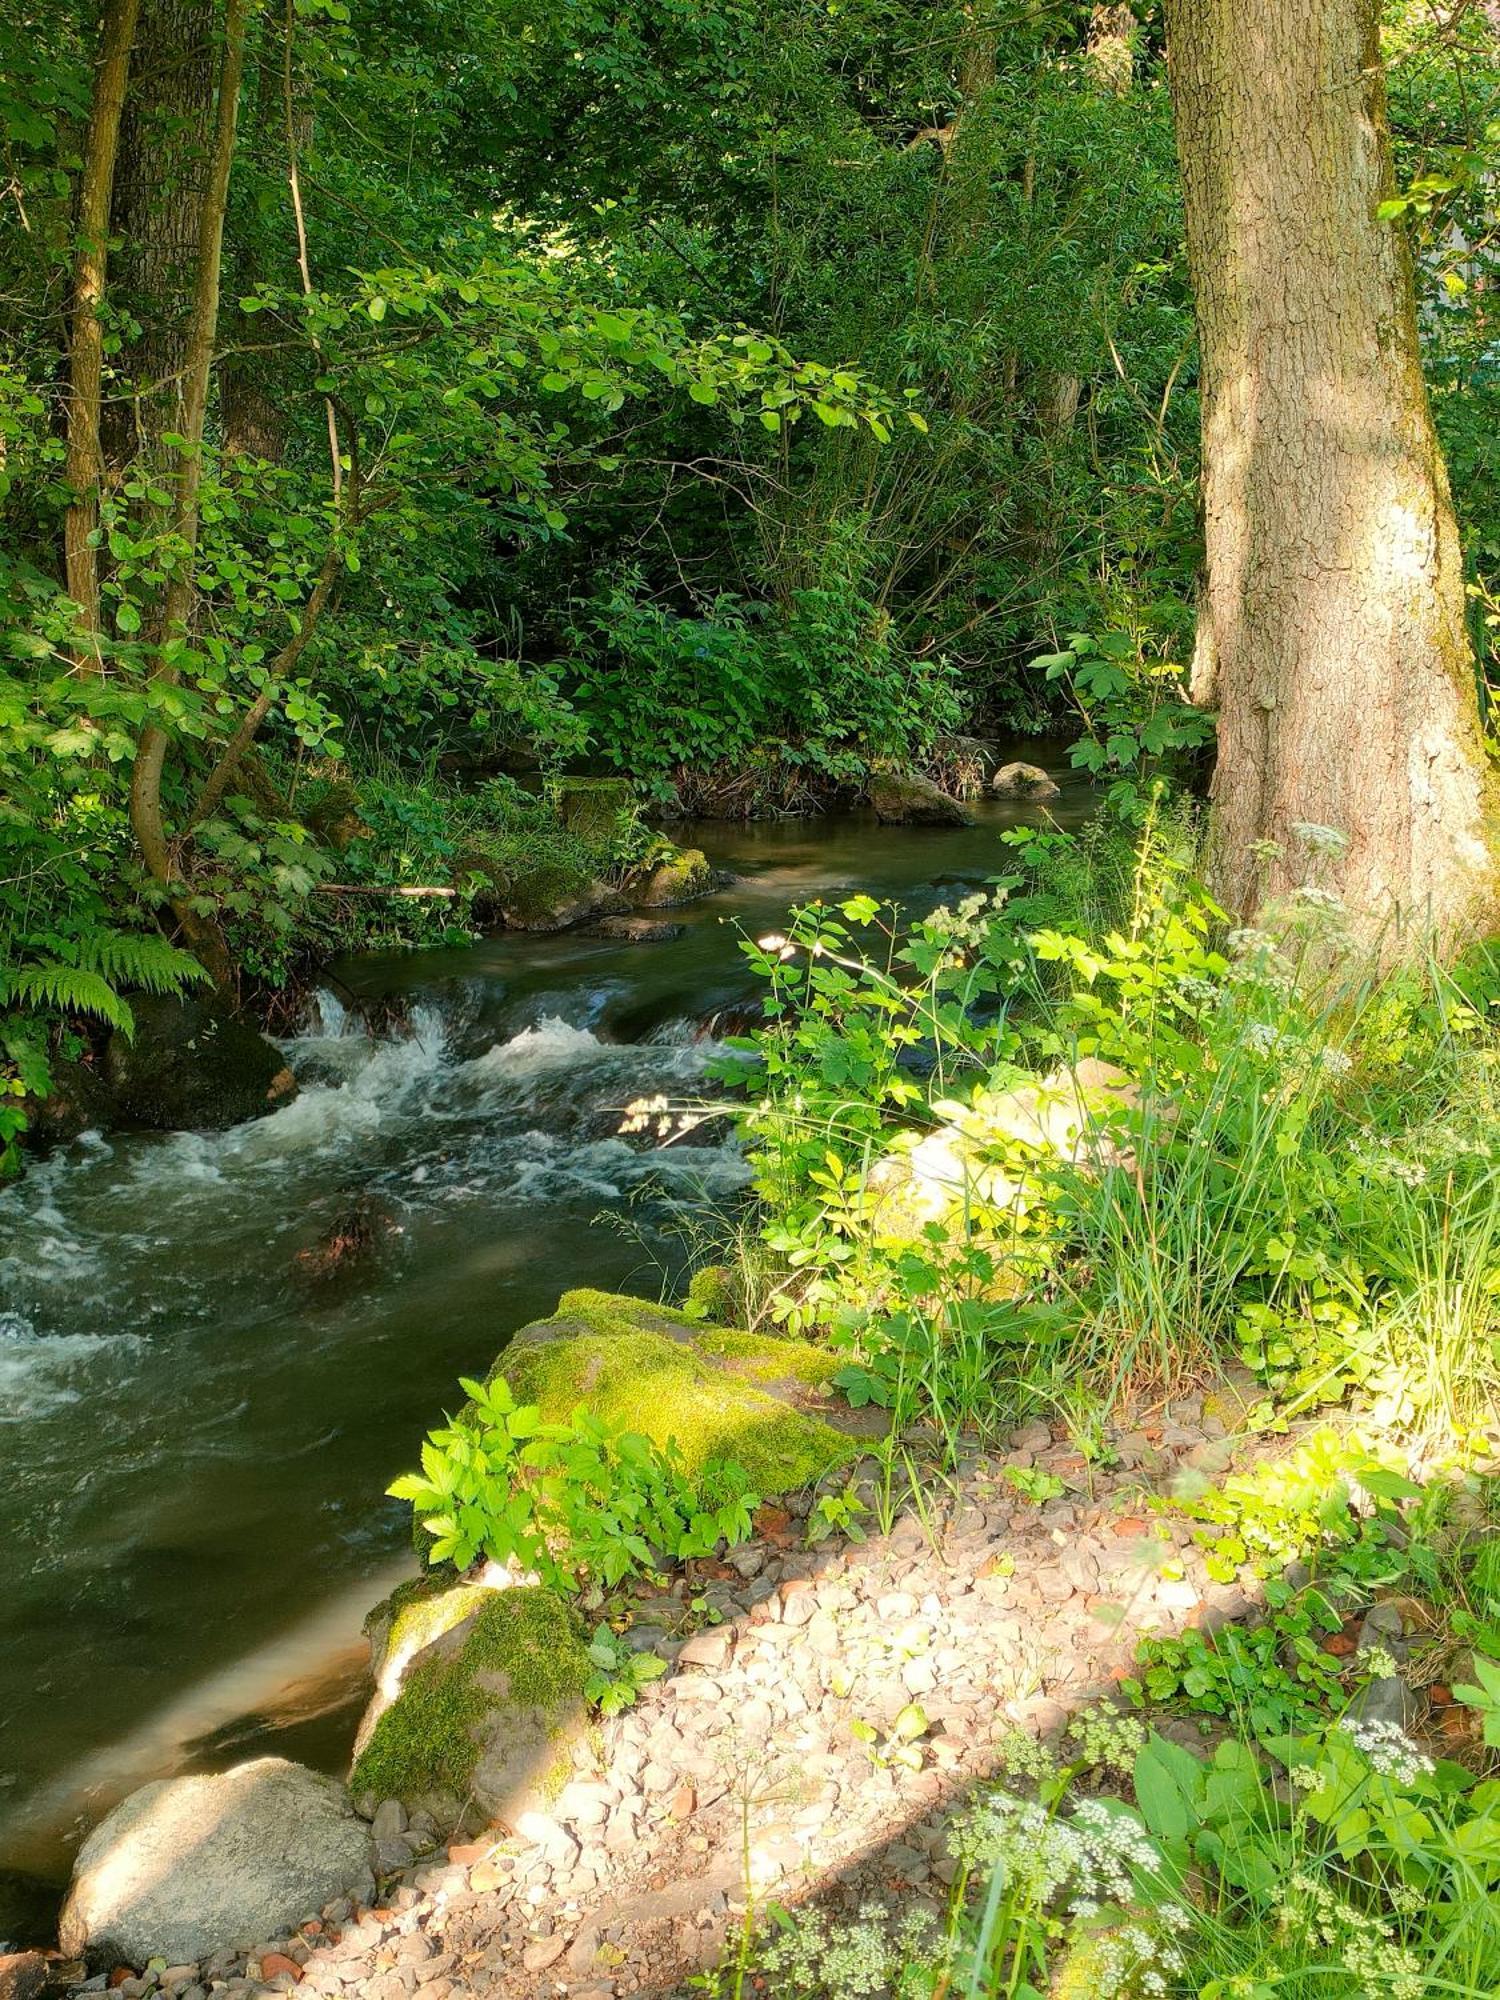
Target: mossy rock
column 681, row 878
column 752, row 1398
column 554, row 895
column 593, row 809
column 488, row 1710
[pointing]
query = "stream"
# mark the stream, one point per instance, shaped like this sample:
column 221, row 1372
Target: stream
column 196, row 1434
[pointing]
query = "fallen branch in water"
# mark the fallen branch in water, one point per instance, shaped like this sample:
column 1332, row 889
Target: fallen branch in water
column 367, row 889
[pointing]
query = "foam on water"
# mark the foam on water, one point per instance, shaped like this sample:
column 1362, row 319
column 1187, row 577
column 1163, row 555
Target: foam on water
column 42, row 1372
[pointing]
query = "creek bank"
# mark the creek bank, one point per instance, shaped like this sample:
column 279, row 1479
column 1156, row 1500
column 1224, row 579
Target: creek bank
column 796, row 1668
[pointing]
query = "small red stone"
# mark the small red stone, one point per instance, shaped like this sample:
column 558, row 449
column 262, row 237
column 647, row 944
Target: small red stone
column 274, row 1963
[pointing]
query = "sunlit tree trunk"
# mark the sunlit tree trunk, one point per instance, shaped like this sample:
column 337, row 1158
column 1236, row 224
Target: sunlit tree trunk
column 85, row 463
column 1331, row 632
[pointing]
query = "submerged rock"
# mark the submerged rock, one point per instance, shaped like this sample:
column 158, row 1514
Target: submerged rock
column 905, row 799
column 478, row 1704
column 1024, row 781
column 187, row 1867
column 192, row 1065
column 636, row 930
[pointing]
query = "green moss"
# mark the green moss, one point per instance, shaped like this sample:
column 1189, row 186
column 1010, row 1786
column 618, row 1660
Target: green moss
column 425, row 1740
column 653, row 1370
column 421, row 1610
column 764, row 1358
column 594, row 810
column 708, row 1291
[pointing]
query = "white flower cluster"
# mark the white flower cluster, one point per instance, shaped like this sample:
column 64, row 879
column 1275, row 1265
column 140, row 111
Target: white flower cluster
column 1389, row 1751
column 1262, row 1038
column 1335, row 1061
column 1327, row 840
column 965, row 922
column 1090, row 1856
column 1138, row 1960
column 1365, row 1944
column 1107, row 1739
column 1026, row 1756
column 851, row 1961
column 1197, row 992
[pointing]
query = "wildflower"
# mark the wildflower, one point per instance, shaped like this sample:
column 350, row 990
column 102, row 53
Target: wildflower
column 1376, row 1663
column 1326, row 840
column 1261, row 1038
column 1335, row 1061
column 1107, row 1740
column 1197, row 992
column 775, row 942
column 1387, row 1748
column 1314, row 898
column 1249, row 943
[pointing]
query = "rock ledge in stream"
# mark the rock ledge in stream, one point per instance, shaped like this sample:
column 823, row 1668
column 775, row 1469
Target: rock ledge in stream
column 192, row 1065
column 187, row 1867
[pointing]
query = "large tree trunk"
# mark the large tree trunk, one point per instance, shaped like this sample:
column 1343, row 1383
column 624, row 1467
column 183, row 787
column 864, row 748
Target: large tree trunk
column 166, row 143
column 1331, row 632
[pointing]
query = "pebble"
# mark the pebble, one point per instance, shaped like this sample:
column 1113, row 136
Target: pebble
column 627, row 1882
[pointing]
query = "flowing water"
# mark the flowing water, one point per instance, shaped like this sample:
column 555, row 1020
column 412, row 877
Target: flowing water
column 196, row 1431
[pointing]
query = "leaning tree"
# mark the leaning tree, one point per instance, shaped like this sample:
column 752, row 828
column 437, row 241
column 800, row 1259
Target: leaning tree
column 1331, row 631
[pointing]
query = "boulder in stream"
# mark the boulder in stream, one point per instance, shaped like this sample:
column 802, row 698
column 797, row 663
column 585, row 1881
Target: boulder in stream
column 1024, row 781
column 682, row 877
column 904, row 798
column 187, row 1867
column 194, row 1065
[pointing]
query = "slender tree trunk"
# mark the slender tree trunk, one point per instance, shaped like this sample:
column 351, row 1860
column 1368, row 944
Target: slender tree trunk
column 85, row 463
column 1331, row 632
column 197, row 371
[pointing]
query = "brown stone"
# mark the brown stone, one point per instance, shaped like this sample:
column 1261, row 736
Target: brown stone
column 23, row 1974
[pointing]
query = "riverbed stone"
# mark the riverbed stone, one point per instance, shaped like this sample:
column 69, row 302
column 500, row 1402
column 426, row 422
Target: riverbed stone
column 23, row 1974
column 681, row 878
column 187, row 1867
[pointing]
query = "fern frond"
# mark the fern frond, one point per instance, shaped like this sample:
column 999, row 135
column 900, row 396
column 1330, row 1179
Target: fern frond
column 141, row 959
column 70, row 989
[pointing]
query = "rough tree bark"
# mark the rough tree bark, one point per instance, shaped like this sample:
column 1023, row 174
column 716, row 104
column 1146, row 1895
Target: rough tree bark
column 1331, row 631
column 166, row 141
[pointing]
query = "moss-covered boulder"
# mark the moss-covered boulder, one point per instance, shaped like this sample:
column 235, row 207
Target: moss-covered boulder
column 754, row 1398
column 478, row 1705
column 556, row 894
column 594, row 810
column 905, row 798
column 681, row 878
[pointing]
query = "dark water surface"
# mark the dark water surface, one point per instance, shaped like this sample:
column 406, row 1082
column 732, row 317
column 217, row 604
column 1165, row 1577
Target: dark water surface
column 195, row 1437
